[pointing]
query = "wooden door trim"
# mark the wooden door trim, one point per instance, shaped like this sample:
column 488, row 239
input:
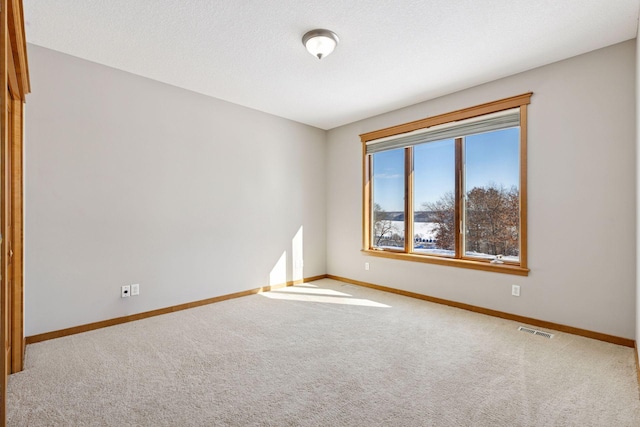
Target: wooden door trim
column 17, row 289
column 12, row 76
column 4, row 120
column 18, row 43
column 14, row 79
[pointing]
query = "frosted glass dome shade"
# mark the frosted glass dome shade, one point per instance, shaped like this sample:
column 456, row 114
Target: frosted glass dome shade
column 320, row 43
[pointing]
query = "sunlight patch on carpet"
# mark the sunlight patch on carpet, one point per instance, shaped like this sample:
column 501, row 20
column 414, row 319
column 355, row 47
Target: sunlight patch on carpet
column 311, row 291
column 323, row 299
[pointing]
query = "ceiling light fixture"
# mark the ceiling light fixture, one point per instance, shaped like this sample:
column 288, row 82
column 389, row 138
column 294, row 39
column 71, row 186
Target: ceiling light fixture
column 320, row 43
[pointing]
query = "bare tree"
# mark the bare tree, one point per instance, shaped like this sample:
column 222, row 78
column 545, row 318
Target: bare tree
column 381, row 224
column 442, row 213
column 492, row 219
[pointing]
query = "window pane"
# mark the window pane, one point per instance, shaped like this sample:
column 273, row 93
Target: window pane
column 434, row 193
column 388, row 199
column 492, row 202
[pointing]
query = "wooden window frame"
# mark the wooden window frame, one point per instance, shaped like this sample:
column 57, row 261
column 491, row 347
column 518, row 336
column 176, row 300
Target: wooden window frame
column 521, row 268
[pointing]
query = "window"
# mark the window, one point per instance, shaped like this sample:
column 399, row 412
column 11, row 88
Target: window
column 450, row 189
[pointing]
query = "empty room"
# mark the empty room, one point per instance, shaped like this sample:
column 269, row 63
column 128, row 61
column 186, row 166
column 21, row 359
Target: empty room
column 295, row 213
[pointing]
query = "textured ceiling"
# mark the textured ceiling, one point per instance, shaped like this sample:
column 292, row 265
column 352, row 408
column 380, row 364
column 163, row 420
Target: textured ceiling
column 391, row 53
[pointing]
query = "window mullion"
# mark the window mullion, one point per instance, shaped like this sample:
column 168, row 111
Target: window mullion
column 459, row 201
column 367, row 214
column 408, row 199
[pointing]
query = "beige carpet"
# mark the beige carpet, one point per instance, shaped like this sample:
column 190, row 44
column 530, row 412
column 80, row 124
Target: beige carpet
column 324, row 354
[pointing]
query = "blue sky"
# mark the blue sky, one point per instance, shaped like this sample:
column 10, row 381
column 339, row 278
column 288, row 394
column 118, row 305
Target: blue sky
column 490, row 158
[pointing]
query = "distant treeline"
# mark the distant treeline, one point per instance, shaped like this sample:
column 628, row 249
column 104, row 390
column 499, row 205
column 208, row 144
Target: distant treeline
column 420, row 216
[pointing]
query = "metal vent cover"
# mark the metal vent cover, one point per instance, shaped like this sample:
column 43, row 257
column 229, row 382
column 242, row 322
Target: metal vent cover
column 535, row 332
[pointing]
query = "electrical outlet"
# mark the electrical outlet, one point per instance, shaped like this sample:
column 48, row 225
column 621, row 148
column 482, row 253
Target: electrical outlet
column 515, row 290
column 366, row 266
column 125, row 291
column 135, row 289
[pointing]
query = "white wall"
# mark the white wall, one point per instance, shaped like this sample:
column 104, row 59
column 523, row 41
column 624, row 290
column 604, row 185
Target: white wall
column 582, row 192
column 129, row 180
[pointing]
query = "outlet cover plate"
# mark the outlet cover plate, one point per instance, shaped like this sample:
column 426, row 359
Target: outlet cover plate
column 135, row 289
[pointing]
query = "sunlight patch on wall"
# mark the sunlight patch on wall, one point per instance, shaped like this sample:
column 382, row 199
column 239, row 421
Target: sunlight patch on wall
column 297, row 258
column 278, row 274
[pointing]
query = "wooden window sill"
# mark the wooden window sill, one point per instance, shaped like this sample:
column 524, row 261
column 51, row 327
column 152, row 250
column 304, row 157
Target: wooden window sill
column 462, row 263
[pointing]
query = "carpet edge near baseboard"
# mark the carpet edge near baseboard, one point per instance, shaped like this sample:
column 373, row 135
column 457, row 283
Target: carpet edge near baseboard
column 626, row 342
column 157, row 312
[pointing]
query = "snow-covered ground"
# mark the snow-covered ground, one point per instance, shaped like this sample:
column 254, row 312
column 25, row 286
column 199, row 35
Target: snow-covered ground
column 423, row 230
column 427, row 232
